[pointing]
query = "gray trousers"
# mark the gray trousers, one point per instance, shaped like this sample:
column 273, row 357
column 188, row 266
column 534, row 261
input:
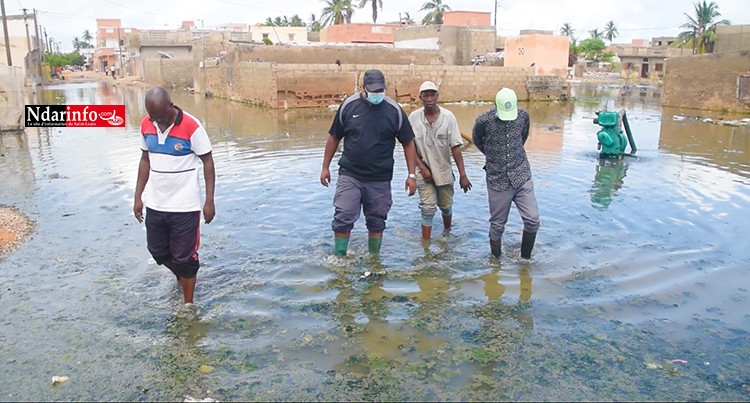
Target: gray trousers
column 525, row 200
column 354, row 195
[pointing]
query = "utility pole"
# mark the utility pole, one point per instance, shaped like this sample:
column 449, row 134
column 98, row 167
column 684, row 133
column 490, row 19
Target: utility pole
column 38, row 41
column 5, row 32
column 28, row 40
column 119, row 50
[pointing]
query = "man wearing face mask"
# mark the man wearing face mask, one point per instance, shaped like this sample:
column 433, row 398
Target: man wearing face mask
column 371, row 122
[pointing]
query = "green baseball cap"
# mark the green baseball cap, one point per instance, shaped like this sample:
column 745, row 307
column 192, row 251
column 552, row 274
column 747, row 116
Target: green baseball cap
column 507, row 104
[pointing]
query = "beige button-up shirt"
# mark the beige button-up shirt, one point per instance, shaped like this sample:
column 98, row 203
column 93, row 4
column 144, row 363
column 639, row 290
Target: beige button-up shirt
column 434, row 143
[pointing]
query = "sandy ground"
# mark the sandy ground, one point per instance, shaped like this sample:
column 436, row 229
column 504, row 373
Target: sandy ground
column 15, row 227
column 80, row 76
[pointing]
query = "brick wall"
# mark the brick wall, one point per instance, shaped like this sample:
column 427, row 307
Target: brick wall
column 166, row 72
column 707, row 81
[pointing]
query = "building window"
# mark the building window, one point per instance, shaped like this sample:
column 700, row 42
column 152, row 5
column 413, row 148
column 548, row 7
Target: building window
column 110, row 30
column 645, row 60
column 291, row 37
column 265, row 36
column 743, row 88
column 658, row 67
column 520, row 51
column 628, row 66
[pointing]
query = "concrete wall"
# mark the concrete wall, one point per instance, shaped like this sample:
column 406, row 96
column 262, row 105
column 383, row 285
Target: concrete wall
column 166, row 72
column 19, row 46
column 456, row 44
column 374, row 54
column 732, row 38
column 466, row 18
column 359, row 33
column 548, row 53
column 11, row 98
column 707, row 81
column 314, row 85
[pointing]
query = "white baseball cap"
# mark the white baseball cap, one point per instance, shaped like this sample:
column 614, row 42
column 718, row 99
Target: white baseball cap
column 428, row 86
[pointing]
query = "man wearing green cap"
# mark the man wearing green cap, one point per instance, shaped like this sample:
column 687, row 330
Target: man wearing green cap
column 500, row 134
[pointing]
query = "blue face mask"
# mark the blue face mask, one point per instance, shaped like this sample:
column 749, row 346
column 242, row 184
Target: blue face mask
column 375, row 97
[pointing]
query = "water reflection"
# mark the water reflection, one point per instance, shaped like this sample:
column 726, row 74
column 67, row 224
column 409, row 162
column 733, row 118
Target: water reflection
column 439, row 322
column 609, row 178
column 721, row 146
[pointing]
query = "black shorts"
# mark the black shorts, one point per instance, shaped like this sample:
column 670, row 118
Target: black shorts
column 174, row 236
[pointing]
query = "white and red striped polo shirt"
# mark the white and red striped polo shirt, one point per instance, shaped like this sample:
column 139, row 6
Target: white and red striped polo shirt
column 173, row 181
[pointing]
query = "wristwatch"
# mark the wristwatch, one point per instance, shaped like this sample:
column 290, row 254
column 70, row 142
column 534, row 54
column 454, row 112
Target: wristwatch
column 413, row 176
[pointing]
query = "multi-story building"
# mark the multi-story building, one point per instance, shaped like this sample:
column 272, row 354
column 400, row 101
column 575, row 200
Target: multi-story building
column 647, row 61
column 110, row 44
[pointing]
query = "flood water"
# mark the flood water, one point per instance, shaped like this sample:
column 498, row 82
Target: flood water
column 638, row 287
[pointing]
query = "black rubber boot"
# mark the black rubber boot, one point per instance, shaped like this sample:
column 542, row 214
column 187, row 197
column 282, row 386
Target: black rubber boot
column 527, row 244
column 495, row 248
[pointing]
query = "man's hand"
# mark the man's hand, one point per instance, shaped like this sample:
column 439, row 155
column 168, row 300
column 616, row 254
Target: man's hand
column 411, row 186
column 426, row 174
column 325, row 176
column 209, row 211
column 138, row 209
column 465, row 183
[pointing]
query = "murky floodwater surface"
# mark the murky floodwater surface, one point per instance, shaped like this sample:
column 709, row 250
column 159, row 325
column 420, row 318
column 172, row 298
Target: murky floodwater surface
column 638, row 287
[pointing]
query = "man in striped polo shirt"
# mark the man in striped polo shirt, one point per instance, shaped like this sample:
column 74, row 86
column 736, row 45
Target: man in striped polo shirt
column 173, row 144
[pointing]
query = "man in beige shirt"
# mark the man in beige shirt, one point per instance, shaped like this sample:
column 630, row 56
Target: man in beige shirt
column 437, row 137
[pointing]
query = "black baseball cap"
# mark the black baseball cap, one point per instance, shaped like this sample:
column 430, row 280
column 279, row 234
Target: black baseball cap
column 374, row 80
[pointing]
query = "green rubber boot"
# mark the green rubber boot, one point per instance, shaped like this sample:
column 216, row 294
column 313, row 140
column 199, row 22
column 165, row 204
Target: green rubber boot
column 373, row 244
column 340, row 246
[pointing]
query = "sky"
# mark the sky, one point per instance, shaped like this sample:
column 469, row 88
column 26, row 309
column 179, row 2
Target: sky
column 635, row 19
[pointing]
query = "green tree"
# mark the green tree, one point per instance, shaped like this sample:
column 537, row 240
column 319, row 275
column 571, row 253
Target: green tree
column 76, row 44
column 63, row 59
column 701, row 29
column 610, row 31
column 566, row 30
column 336, row 12
column 435, row 10
column 375, row 5
column 269, row 22
column 573, row 51
column 592, row 49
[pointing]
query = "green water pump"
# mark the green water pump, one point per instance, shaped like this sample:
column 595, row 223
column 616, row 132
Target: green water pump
column 612, row 141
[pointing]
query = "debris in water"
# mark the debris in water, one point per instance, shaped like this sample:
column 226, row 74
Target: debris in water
column 56, row 380
column 680, row 360
column 193, row 399
column 206, row 369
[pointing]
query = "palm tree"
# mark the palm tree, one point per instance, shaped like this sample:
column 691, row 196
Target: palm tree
column 336, row 12
column 595, row 34
column 701, row 30
column 610, row 31
column 87, row 36
column 77, row 44
column 314, row 24
column 435, row 10
column 566, row 30
column 375, row 4
column 295, row 21
column 406, row 19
